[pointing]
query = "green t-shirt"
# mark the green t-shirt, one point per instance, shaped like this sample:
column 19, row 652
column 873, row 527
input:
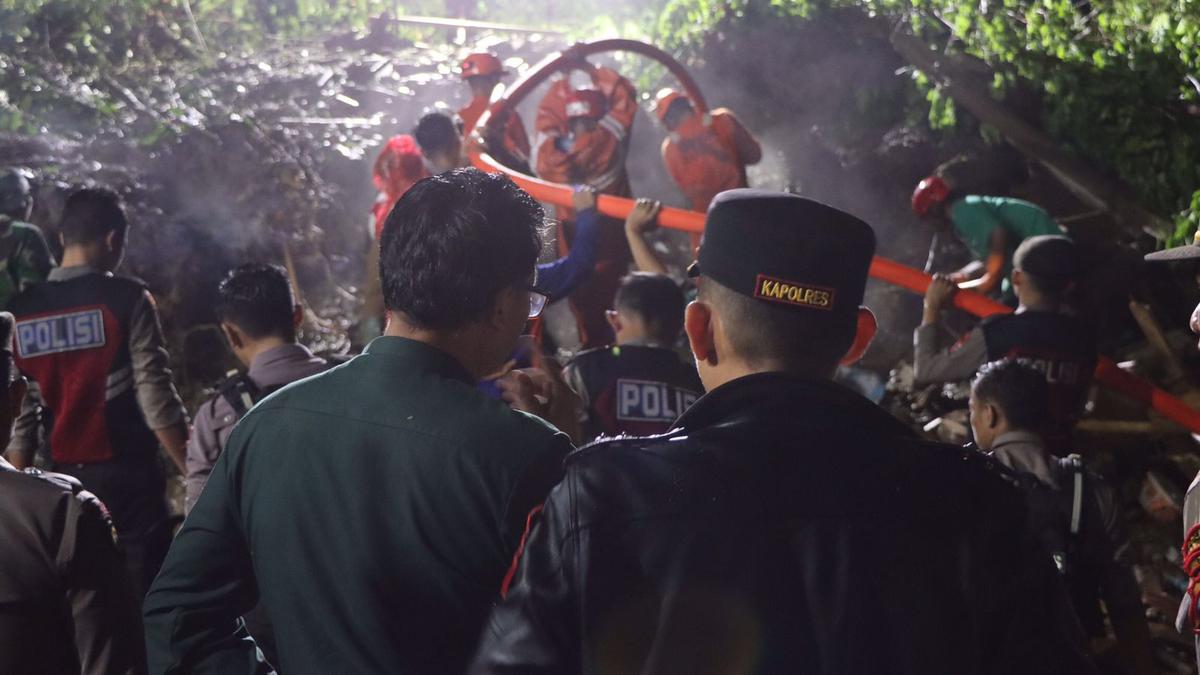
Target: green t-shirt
column 975, row 217
column 24, row 258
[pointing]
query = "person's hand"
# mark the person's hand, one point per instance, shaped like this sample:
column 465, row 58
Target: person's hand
column 644, row 216
column 584, row 198
column 542, row 391
column 940, row 291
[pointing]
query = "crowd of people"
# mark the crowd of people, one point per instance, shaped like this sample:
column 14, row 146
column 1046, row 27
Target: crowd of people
column 691, row 492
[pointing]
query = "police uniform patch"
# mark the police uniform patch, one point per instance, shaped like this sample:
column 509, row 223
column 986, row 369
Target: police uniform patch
column 794, row 293
column 647, row 401
column 60, row 333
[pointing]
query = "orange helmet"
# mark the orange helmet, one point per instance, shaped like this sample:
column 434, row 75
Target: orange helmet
column 480, row 63
column 929, row 193
column 589, row 103
column 662, row 102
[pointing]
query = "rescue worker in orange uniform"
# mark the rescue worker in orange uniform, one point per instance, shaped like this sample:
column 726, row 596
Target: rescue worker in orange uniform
column 582, row 139
column 705, row 154
column 482, row 73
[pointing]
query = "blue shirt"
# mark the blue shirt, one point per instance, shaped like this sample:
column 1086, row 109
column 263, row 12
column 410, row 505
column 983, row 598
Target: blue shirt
column 560, row 278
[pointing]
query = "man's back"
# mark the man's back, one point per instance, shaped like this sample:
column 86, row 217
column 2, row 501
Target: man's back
column 382, row 501
column 785, row 526
column 632, row 389
column 65, row 605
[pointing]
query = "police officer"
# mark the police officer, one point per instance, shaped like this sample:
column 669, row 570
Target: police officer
column 1061, row 344
column 375, row 507
column 22, row 247
column 784, row 524
column 639, row 385
column 1073, row 511
column 91, row 344
column 1188, row 619
column 260, row 319
column 66, row 605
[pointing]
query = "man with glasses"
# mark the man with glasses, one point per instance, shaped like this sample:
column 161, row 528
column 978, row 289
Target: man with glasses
column 375, row 508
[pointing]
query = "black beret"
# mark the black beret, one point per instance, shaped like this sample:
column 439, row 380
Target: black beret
column 786, row 250
column 1049, row 256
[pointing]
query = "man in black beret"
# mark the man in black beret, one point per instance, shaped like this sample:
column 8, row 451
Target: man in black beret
column 784, row 524
column 1060, row 344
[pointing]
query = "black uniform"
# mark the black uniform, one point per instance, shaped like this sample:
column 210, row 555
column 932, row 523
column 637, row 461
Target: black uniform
column 632, row 389
column 784, row 526
column 1060, row 345
column 66, row 605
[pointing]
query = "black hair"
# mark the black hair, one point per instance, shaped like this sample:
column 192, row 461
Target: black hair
column 436, row 132
column 90, row 214
column 656, row 299
column 768, row 333
column 453, row 242
column 1018, row 389
column 258, row 299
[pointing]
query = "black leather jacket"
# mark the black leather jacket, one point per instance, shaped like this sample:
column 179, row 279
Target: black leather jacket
column 784, row 526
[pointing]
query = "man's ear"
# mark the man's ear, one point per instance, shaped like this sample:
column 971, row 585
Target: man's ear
column 614, row 320
column 865, row 332
column 992, row 416
column 1018, row 278
column 698, row 324
column 16, row 396
column 297, row 316
column 235, row 337
column 110, row 240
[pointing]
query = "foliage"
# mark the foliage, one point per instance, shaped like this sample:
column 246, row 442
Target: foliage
column 1118, row 81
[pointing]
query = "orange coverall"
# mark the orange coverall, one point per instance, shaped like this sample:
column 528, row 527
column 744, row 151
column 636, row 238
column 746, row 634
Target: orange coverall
column 516, row 141
column 707, row 154
column 595, row 158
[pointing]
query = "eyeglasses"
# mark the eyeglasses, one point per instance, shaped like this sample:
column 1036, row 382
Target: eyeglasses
column 537, row 301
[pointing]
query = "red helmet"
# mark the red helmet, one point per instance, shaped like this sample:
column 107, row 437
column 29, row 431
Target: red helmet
column 480, row 63
column 929, row 193
column 662, row 102
column 589, row 103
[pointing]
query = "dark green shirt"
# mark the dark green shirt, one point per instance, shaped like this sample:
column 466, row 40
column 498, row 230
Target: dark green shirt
column 24, row 258
column 374, row 508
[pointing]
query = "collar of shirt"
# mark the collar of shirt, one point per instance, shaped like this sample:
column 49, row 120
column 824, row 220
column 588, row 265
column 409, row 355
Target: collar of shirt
column 770, row 395
column 276, row 355
column 419, row 357
column 1024, row 451
column 68, row 273
column 643, row 342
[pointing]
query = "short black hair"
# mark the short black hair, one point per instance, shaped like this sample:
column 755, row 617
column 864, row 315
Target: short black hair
column 1018, row 389
column 436, row 132
column 453, row 242
column 258, row 299
column 762, row 332
column 654, row 298
column 90, row 214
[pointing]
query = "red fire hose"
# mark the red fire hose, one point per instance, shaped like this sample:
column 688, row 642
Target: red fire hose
column 1107, row 371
